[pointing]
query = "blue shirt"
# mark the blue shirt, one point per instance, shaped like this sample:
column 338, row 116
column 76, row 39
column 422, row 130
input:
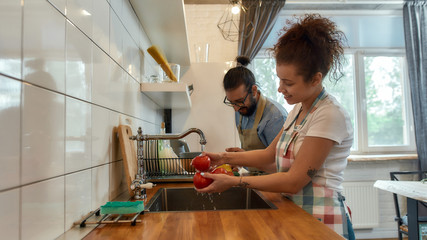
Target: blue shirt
column 271, row 122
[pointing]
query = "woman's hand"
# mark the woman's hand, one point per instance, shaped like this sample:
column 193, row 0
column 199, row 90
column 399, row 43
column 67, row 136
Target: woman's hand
column 217, row 159
column 221, row 182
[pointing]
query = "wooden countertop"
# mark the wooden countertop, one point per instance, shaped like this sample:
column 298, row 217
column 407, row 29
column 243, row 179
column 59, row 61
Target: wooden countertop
column 287, row 222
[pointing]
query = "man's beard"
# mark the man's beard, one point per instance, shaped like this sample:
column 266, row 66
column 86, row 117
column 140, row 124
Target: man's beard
column 252, row 107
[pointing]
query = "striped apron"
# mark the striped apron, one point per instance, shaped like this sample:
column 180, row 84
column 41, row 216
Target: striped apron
column 323, row 203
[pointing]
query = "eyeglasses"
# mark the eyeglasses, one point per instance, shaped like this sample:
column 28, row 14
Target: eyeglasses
column 240, row 103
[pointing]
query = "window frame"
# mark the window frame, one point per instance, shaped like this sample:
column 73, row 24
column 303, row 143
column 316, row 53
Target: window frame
column 361, row 107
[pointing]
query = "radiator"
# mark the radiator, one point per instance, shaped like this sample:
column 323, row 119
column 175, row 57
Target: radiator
column 362, row 198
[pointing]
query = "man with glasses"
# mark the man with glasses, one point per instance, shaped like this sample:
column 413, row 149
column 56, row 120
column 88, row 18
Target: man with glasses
column 258, row 119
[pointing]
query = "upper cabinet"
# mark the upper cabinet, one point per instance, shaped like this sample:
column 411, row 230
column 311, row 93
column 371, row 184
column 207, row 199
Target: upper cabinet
column 164, row 23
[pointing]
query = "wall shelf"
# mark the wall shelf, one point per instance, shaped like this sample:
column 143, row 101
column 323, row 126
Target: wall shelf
column 168, row 95
column 164, row 23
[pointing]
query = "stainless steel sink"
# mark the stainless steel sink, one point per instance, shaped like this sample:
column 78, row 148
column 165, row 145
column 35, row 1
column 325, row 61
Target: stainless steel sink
column 188, row 199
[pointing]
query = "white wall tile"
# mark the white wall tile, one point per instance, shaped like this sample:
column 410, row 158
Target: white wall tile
column 80, row 13
column 116, row 87
column 101, row 136
column 78, row 130
column 116, row 38
column 77, row 197
column 9, row 217
column 43, row 210
column 43, row 133
column 100, row 186
column 130, row 21
column 117, row 6
column 59, row 4
column 114, row 122
column 79, row 64
column 101, row 77
column 101, row 24
column 127, row 52
column 10, row 35
column 44, row 45
column 129, row 104
column 10, row 120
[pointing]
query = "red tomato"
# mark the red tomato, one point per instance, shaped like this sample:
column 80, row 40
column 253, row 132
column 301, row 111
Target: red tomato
column 222, row 171
column 200, row 181
column 202, row 163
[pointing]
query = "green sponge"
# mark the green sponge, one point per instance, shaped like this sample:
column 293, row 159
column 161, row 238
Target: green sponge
column 122, row 207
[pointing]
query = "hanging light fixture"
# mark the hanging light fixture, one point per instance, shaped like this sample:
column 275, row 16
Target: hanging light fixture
column 230, row 20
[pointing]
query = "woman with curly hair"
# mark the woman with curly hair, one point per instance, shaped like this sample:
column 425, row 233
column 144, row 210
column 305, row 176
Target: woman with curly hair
column 307, row 158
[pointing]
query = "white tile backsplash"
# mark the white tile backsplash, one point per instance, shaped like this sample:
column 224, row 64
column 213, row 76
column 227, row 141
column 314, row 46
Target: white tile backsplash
column 100, row 186
column 43, row 209
column 117, row 6
column 78, row 192
column 9, row 217
column 101, row 24
column 10, row 35
column 43, row 134
column 78, row 132
column 116, row 91
column 10, row 117
column 80, row 13
column 67, row 79
column 101, row 136
column 78, row 64
column 116, row 38
column 59, row 4
column 44, row 45
column 101, row 80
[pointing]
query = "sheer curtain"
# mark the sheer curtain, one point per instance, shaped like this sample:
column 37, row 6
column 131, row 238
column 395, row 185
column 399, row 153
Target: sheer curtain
column 256, row 24
column 415, row 25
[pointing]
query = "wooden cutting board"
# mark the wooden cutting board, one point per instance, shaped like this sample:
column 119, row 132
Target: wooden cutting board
column 128, row 149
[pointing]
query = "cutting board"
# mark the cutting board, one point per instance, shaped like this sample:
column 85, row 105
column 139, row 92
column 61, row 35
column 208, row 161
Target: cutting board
column 128, row 149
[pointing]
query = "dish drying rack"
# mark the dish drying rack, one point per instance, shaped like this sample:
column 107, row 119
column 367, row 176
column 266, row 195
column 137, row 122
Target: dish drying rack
column 165, row 169
column 109, row 218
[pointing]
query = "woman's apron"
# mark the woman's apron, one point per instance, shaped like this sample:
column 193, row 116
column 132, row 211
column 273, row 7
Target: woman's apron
column 249, row 137
column 323, row 203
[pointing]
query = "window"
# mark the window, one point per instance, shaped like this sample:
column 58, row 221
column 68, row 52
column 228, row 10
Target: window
column 375, row 93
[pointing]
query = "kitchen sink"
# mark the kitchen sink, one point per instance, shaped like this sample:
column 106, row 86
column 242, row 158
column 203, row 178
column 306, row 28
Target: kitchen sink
column 188, row 199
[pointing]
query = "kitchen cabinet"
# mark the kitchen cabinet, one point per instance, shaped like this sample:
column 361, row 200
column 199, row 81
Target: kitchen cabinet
column 168, row 95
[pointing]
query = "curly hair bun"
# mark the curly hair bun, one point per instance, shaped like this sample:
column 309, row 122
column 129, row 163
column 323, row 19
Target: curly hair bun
column 243, row 61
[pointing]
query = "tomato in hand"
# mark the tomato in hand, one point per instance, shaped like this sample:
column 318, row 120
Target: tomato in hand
column 200, row 181
column 202, row 163
column 220, row 170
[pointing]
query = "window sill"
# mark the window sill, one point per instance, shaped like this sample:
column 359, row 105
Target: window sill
column 382, row 157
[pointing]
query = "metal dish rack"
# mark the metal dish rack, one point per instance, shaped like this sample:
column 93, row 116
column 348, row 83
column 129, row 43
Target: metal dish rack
column 165, row 169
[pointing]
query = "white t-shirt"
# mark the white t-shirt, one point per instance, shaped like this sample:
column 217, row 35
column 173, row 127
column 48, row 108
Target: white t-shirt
column 329, row 121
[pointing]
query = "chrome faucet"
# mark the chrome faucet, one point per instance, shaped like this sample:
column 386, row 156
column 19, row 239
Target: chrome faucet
column 178, row 136
column 139, row 184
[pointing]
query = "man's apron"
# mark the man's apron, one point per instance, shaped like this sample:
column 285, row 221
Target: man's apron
column 323, row 203
column 249, row 137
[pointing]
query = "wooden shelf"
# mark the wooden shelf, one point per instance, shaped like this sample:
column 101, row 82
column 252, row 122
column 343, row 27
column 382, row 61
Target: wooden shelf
column 168, row 95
